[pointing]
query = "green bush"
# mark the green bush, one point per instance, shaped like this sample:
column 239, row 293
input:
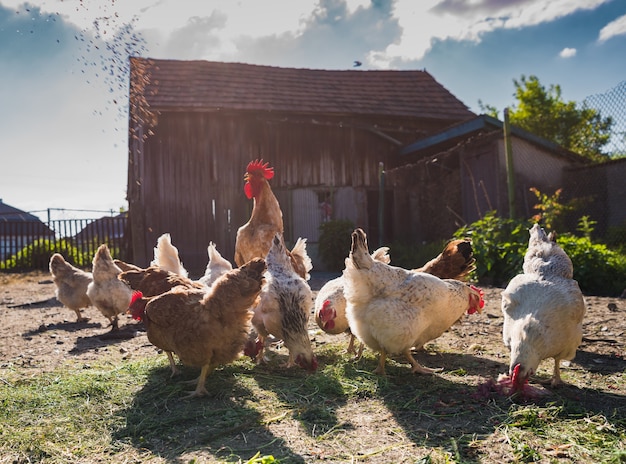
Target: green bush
column 37, row 255
column 499, row 246
column 598, row 270
column 334, row 243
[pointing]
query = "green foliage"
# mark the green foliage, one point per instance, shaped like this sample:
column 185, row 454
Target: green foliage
column 37, row 254
column 334, row 243
column 586, row 226
column 499, row 246
column 550, row 209
column 543, row 112
column 598, row 270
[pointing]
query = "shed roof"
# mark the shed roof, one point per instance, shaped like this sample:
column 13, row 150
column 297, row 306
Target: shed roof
column 461, row 131
column 212, row 86
column 10, row 213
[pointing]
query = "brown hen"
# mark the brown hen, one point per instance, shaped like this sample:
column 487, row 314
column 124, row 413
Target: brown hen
column 206, row 328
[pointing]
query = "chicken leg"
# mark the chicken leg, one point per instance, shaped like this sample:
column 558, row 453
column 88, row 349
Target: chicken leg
column 173, row 367
column 380, row 370
column 200, row 387
column 417, row 367
column 556, row 376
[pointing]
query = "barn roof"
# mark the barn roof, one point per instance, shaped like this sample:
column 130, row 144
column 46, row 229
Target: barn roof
column 172, row 85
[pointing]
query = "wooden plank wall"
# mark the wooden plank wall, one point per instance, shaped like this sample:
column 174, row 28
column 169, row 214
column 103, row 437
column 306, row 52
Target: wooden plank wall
column 193, row 167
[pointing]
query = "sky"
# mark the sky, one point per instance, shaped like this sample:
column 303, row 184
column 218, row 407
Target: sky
column 64, row 67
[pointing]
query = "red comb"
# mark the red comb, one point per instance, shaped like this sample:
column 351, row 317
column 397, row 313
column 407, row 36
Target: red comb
column 259, row 166
column 481, row 293
column 137, row 310
column 137, row 295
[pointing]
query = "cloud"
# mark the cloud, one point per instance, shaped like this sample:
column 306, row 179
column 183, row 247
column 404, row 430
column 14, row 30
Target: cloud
column 613, row 29
column 427, row 21
column 333, row 35
column 567, row 53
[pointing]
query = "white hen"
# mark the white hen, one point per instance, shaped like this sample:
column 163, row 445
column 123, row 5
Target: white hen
column 166, row 256
column 217, row 266
column 543, row 310
column 392, row 310
column 330, row 305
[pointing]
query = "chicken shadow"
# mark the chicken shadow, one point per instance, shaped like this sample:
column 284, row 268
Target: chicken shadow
column 225, row 424
column 599, row 363
column 64, row 326
column 312, row 397
column 437, row 411
column 106, row 338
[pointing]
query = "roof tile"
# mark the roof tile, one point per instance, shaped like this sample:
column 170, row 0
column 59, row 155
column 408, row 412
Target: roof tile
column 209, row 85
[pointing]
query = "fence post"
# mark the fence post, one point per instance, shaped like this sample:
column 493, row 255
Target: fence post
column 510, row 170
column 381, row 203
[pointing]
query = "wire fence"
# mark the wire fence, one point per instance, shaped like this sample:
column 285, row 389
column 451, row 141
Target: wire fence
column 612, row 104
column 28, row 245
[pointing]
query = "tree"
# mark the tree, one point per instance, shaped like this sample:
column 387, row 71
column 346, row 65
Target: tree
column 543, row 112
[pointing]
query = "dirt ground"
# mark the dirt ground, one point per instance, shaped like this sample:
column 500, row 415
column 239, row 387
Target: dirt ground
column 39, row 334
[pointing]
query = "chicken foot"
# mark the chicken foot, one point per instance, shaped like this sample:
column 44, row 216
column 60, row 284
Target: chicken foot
column 556, row 376
column 114, row 323
column 351, row 350
column 200, row 387
column 79, row 316
column 417, row 367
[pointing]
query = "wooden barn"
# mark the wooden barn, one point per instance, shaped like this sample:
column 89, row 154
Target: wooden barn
column 456, row 176
column 195, row 125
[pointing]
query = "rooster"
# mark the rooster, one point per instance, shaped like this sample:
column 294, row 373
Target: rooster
column 216, row 267
column 107, row 293
column 456, row 261
column 284, row 307
column 254, row 238
column 543, row 310
column 71, row 285
column 205, row 328
column 166, row 256
column 392, row 310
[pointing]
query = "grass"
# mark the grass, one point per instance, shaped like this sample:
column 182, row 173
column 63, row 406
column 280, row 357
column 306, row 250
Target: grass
column 132, row 412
